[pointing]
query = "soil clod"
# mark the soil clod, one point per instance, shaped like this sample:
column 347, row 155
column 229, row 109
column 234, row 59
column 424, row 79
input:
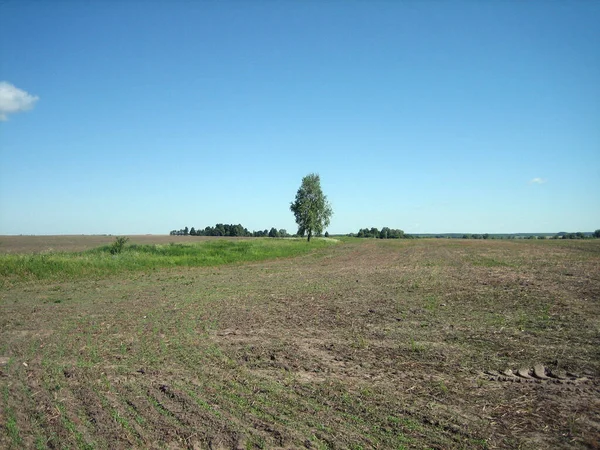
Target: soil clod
column 539, row 372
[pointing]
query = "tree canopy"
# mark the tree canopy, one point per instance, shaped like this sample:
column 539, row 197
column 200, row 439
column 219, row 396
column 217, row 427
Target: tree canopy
column 385, row 233
column 232, row 230
column 311, row 208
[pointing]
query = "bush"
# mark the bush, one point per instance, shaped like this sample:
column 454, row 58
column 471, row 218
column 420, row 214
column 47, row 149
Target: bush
column 118, row 245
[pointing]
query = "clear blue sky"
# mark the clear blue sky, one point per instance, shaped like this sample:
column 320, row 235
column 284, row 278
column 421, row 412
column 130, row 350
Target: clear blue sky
column 429, row 116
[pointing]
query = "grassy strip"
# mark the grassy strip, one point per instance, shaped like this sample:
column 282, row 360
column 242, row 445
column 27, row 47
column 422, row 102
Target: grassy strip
column 11, row 426
column 100, row 262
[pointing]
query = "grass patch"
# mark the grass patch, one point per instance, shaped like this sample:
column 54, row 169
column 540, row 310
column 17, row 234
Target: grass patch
column 13, row 430
column 101, row 261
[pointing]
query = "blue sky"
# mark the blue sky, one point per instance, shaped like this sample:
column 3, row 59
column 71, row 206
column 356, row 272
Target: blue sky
column 429, row 116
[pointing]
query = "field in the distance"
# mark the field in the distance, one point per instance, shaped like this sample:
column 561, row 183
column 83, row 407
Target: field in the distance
column 78, row 243
column 359, row 344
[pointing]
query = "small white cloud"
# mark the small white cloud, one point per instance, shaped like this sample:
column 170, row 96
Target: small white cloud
column 14, row 100
column 537, row 181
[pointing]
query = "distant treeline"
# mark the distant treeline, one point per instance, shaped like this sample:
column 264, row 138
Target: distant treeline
column 561, row 235
column 390, row 233
column 385, row 233
column 221, row 229
column 224, row 229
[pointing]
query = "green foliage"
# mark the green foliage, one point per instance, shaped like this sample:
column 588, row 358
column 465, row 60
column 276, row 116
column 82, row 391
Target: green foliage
column 221, row 229
column 101, row 261
column 368, row 233
column 578, row 235
column 311, row 208
column 385, row 233
column 597, row 234
column 118, row 245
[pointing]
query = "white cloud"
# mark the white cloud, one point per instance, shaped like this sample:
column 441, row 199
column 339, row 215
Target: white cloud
column 537, row 181
column 14, row 100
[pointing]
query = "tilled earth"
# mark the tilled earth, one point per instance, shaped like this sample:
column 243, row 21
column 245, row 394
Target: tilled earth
column 366, row 344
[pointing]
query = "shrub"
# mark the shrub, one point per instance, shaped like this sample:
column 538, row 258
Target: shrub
column 118, row 245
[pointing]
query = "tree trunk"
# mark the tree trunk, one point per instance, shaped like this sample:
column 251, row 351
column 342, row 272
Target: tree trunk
column 309, row 235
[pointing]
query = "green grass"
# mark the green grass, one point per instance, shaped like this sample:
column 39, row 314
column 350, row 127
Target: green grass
column 11, row 426
column 13, row 430
column 100, row 262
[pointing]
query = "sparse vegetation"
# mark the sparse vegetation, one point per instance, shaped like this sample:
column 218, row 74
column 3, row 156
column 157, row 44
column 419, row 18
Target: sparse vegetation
column 363, row 344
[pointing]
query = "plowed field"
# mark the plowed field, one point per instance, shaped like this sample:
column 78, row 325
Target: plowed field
column 363, row 344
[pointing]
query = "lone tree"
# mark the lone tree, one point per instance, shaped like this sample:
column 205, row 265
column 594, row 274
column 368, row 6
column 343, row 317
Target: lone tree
column 311, row 208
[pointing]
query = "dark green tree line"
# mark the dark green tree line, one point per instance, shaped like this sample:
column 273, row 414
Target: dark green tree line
column 385, row 233
column 230, row 230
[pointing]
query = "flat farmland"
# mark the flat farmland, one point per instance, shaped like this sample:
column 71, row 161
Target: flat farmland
column 78, row 243
column 424, row 344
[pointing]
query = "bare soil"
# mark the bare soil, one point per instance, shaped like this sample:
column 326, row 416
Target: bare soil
column 365, row 344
